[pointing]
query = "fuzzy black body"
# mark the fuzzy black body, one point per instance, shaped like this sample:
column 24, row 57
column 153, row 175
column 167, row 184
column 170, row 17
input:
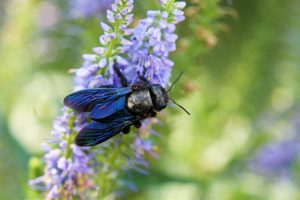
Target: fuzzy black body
column 115, row 110
column 139, row 103
column 143, row 102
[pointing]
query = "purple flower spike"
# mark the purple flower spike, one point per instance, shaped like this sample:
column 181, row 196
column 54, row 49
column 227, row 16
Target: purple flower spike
column 152, row 42
column 68, row 165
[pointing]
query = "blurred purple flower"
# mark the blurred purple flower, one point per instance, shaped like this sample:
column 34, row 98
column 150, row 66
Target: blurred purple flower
column 88, row 8
column 276, row 158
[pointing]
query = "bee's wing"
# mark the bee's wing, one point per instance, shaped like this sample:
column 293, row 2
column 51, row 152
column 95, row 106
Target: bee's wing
column 85, row 100
column 103, row 110
column 97, row 132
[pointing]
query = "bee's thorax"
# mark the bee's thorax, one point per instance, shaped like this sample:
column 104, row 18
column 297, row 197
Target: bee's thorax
column 140, row 103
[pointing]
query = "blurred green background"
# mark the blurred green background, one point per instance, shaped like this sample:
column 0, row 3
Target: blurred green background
column 242, row 74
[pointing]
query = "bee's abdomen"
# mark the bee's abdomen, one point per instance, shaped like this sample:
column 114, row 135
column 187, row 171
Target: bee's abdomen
column 140, row 103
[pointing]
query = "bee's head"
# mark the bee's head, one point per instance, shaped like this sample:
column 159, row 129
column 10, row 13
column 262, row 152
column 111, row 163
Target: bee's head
column 159, row 97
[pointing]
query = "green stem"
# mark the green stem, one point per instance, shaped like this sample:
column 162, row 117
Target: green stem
column 70, row 137
column 105, row 180
column 169, row 6
column 116, row 40
column 113, row 42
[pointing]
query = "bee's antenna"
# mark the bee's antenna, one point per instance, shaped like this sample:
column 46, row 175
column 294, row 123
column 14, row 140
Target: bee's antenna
column 170, row 88
column 187, row 112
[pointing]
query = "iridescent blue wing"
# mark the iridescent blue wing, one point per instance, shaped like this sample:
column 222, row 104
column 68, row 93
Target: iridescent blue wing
column 85, row 100
column 97, row 132
column 108, row 108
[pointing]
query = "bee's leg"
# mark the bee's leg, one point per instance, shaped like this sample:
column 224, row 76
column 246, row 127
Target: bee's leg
column 142, row 78
column 137, row 124
column 142, row 84
column 124, row 81
column 153, row 114
column 105, row 86
column 126, row 130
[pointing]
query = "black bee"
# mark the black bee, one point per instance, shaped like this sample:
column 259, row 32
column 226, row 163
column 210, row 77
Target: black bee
column 114, row 110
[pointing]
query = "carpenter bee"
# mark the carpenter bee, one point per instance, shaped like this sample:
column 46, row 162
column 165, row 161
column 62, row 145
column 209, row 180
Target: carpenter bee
column 115, row 110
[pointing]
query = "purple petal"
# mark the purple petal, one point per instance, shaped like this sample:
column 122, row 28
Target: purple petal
column 102, row 63
column 106, row 27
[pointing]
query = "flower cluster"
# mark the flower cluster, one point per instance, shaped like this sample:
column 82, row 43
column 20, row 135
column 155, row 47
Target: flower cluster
column 277, row 157
column 98, row 66
column 88, row 8
column 66, row 163
column 73, row 171
column 152, row 41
